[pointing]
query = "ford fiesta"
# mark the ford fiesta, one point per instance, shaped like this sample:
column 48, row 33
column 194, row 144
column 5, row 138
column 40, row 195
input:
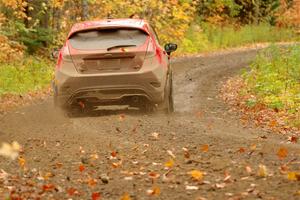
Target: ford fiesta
column 113, row 62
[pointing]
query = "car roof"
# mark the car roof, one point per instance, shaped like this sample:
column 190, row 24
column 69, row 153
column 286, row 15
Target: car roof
column 130, row 23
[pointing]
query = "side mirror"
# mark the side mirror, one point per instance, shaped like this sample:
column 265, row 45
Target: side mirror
column 55, row 53
column 170, row 47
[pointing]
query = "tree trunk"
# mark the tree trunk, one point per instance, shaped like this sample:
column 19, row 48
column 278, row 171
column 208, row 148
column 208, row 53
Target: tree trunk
column 85, row 10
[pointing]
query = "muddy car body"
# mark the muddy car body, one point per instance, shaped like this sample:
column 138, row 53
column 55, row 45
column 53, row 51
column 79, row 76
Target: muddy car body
column 114, row 61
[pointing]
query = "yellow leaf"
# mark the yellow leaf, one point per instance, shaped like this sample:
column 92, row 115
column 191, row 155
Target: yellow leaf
column 204, row 148
column 170, row 163
column 125, row 196
column 22, row 162
column 262, row 171
column 293, row 176
column 48, row 175
column 253, row 147
column 196, row 175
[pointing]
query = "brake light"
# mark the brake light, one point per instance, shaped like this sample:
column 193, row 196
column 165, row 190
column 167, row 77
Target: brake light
column 63, row 53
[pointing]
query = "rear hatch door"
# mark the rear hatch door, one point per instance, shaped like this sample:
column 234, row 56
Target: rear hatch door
column 109, row 50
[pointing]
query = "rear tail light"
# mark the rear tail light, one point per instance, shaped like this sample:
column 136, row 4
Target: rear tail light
column 63, row 54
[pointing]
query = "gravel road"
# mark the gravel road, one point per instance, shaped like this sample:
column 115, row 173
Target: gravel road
column 113, row 152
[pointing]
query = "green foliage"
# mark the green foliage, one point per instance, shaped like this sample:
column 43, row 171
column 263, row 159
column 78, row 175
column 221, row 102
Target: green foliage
column 195, row 41
column 29, row 75
column 33, row 38
column 211, row 37
column 230, row 36
column 275, row 78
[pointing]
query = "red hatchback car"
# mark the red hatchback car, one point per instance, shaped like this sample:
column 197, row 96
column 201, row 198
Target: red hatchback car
column 113, row 62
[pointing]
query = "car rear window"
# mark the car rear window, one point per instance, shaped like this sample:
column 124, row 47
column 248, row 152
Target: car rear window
column 106, row 38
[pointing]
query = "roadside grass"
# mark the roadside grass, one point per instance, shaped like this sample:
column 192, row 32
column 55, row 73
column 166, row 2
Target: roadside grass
column 274, row 78
column 29, row 75
column 206, row 37
column 269, row 92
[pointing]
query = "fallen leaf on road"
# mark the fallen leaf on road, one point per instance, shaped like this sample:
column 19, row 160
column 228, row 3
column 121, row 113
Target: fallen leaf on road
column 22, row 162
column 94, row 156
column 242, row 150
column 283, row 169
column 262, row 171
column 196, row 175
column 96, row 196
column 72, row 191
column 248, row 169
column 81, row 168
column 155, row 135
column 125, row 197
column 293, row 139
column 92, row 182
column 171, row 153
column 220, row 185
column 273, row 123
column 153, row 175
column 191, row 187
column 282, row 153
column 113, row 154
column 227, row 177
column 155, row 191
column 204, row 148
column 128, row 178
column 186, row 153
column 169, row 164
column 293, row 176
column 48, row 187
column 81, row 150
column 253, row 147
column 58, row 164
column 116, row 164
column 48, row 175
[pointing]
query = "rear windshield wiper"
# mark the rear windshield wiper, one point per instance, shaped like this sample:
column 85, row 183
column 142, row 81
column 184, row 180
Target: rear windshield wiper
column 120, row 46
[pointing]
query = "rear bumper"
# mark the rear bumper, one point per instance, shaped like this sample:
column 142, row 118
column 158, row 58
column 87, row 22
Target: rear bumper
column 70, row 86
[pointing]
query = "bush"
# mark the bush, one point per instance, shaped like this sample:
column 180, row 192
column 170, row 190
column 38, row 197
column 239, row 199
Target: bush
column 275, row 78
column 34, row 39
column 29, row 75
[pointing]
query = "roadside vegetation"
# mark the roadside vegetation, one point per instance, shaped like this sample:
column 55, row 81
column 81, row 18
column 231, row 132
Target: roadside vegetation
column 269, row 93
column 30, row 74
column 208, row 37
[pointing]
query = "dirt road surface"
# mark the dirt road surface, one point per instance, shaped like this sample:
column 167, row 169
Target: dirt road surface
column 113, row 152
